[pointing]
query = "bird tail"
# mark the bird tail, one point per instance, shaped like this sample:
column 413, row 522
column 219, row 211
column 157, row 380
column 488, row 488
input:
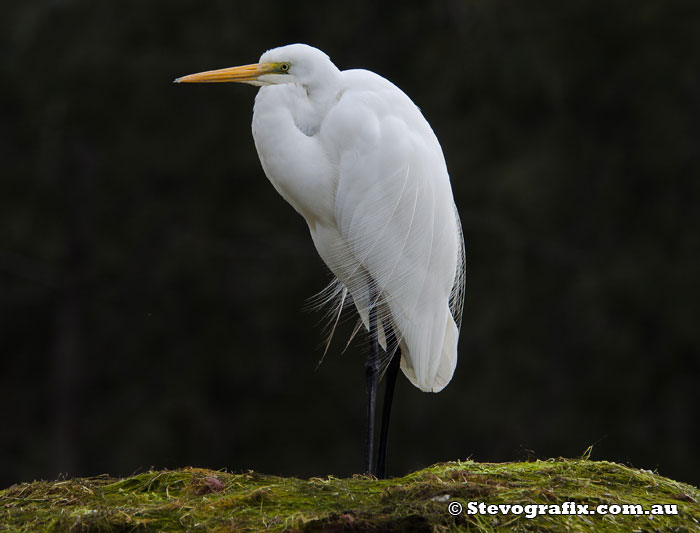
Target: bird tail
column 445, row 367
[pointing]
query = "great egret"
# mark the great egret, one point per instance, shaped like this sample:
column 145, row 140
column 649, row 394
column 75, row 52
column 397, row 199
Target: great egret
column 356, row 158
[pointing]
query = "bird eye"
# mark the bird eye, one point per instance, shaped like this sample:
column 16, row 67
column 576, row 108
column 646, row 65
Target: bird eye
column 284, row 67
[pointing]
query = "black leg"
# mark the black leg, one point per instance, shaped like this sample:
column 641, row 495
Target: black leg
column 372, row 374
column 390, row 377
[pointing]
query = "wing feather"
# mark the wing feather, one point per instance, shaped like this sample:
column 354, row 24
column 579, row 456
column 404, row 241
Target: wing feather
column 396, row 235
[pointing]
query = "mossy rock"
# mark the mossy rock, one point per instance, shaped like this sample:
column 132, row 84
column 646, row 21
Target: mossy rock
column 195, row 499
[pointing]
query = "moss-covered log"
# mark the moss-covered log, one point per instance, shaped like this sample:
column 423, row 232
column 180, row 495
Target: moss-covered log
column 198, row 499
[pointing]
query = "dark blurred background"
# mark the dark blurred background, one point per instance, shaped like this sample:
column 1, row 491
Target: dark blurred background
column 152, row 282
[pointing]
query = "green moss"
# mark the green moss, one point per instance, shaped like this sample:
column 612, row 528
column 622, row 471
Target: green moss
column 195, row 499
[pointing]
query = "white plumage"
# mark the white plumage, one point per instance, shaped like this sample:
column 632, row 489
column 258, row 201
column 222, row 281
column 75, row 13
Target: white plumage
column 356, row 158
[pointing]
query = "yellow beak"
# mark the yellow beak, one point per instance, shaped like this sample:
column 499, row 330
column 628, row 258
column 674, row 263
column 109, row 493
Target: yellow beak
column 244, row 74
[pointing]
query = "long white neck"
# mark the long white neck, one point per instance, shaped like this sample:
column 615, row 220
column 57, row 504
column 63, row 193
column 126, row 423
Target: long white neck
column 286, row 121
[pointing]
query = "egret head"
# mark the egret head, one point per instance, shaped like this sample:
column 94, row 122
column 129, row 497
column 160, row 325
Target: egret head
column 294, row 63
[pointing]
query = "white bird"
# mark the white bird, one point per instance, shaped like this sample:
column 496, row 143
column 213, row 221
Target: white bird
column 356, row 158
